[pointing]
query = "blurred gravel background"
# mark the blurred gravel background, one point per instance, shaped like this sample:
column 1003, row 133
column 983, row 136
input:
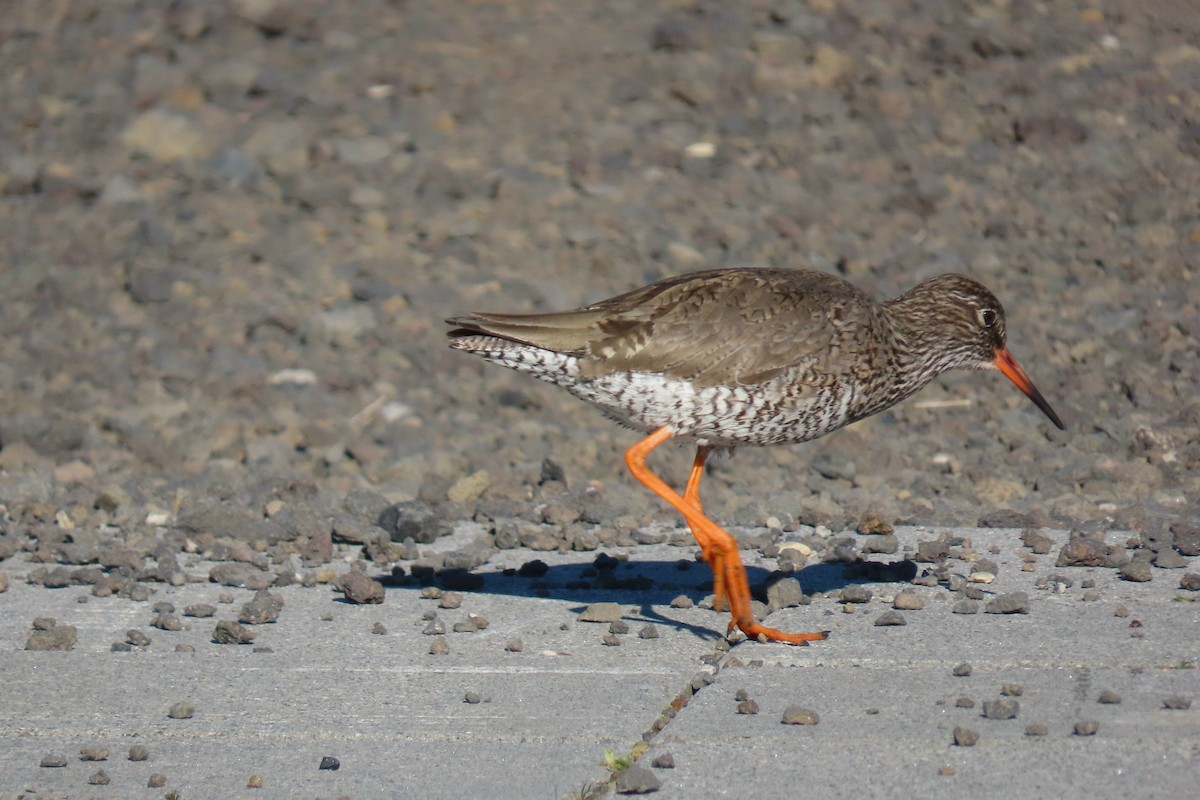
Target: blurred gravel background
column 230, row 231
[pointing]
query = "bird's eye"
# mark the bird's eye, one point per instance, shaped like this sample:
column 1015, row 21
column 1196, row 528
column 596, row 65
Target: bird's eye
column 986, row 317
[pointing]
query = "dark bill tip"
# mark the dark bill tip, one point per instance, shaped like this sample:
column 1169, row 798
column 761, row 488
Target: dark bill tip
column 1008, row 365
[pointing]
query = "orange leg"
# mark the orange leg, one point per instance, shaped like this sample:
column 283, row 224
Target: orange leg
column 719, row 547
column 691, row 495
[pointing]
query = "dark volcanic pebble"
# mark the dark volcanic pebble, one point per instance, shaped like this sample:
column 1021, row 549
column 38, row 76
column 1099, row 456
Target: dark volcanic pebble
column 889, row 619
column 1004, row 708
column 379, row 629
column 1137, row 571
column 648, row 631
column 798, row 715
column 182, row 710
column 784, row 593
column 136, row 638
column 240, row 575
column 59, row 637
column 358, row 587
column 856, row 593
column 200, row 610
column 93, row 753
column 965, row 737
column 229, row 632
column 962, row 670
column 663, row 761
column 965, row 607
column 1086, row 727
column 138, row 753
column 54, row 760
column 1190, row 582
column 1011, row 603
column 618, row 626
column 262, row 609
column 601, row 612
column 637, row 780
column 166, row 621
column 330, row 763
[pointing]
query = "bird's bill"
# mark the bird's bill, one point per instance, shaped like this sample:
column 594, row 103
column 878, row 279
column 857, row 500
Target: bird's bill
column 1008, row 365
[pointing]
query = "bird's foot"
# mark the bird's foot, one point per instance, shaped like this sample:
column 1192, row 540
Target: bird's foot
column 753, row 630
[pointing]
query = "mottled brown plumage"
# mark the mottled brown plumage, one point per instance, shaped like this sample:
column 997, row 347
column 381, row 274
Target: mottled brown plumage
column 736, row 357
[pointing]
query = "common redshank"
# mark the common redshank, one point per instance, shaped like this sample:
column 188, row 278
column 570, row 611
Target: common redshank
column 734, row 357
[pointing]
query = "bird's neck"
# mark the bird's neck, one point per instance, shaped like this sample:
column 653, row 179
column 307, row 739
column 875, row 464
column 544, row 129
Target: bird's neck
column 916, row 341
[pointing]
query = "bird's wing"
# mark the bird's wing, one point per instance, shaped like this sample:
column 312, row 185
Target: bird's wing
column 731, row 327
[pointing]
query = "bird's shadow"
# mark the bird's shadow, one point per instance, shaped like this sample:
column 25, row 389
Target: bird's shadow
column 650, row 585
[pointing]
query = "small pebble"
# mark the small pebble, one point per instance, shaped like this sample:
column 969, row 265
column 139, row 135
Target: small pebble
column 472, row 698
column 439, row 646
column 1011, row 603
column 330, row 763
column 964, row 702
column 379, row 629
column 798, row 715
column 908, row 601
column 450, row 600
column 230, row 632
column 682, row 601
column 648, row 631
column 1036, row 729
column 889, row 619
column 637, row 780
column 1086, row 727
column 93, row 753
column 254, row 782
column 136, row 638
column 185, row 648
column 601, row 612
column 99, row 779
column 138, row 753
column 435, row 627
column 514, row 646
column 157, row 781
column 1177, row 703
column 946, row 770
column 962, row 670
column 619, row 626
column 965, row 607
column 1090, row 596
column 1121, row 611
column 747, row 707
column 182, row 710
column 663, row 761
column 1012, row 689
column 200, row 610
column 54, row 760
column 856, row 593
column 1136, row 571
column 610, row 641
column 965, row 737
column 1001, row 709
column 1109, row 698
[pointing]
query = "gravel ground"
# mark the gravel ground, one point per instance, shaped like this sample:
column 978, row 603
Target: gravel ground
column 230, row 232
